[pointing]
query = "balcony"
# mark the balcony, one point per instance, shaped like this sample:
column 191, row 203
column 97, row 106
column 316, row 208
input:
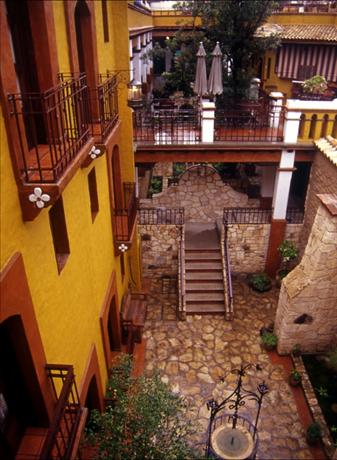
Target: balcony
column 247, row 122
column 105, row 94
column 124, row 218
column 61, row 440
column 307, row 6
column 52, row 127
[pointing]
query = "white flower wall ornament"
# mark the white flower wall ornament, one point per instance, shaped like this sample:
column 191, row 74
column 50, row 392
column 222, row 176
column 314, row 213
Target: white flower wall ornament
column 40, row 199
column 94, row 153
column 123, row 247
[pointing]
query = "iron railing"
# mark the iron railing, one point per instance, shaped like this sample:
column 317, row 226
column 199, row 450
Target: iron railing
column 106, row 95
column 124, row 218
column 306, row 6
column 159, row 216
column 229, row 286
column 167, row 126
column 259, row 216
column 60, row 439
column 247, row 216
column 52, row 127
column 258, row 122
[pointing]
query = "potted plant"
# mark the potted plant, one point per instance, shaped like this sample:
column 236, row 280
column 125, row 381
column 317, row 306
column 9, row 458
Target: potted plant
column 313, row 433
column 295, row 378
column 315, row 85
column 269, row 341
column 296, row 350
column 260, row 282
column 288, row 252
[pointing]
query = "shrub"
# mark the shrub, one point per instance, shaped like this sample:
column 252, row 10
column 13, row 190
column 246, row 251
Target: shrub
column 269, row 340
column 147, row 421
column 315, row 85
column 260, row 282
column 288, row 251
column 314, row 432
column 295, row 377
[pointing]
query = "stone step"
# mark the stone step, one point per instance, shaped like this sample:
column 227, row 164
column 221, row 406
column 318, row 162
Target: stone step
column 203, row 265
column 198, row 255
column 209, row 297
column 205, row 308
column 195, row 276
column 209, row 286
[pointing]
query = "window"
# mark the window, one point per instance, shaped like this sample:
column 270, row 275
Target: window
column 92, row 184
column 59, row 233
column 268, row 67
column 122, row 265
column 105, row 21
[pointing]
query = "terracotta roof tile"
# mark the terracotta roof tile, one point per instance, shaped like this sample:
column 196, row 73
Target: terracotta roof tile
column 328, row 146
column 326, row 33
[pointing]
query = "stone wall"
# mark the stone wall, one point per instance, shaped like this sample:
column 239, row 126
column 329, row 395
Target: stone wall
column 203, row 195
column 248, row 244
column 160, row 248
column 248, row 247
column 307, row 308
column 323, row 179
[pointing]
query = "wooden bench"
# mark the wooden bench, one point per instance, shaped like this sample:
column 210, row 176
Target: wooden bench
column 133, row 316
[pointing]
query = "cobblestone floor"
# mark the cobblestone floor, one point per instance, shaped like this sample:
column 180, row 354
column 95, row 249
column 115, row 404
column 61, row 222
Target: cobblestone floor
column 194, row 355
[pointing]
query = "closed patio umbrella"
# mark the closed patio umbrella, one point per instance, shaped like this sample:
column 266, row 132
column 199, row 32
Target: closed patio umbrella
column 200, row 83
column 215, row 85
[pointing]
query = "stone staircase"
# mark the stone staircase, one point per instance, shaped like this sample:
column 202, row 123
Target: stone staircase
column 204, row 283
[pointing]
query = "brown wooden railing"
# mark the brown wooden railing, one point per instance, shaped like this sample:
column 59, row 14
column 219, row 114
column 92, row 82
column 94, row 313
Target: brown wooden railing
column 62, row 433
column 158, row 216
column 307, row 6
column 253, row 122
column 124, row 218
column 259, row 216
column 167, row 126
column 52, row 127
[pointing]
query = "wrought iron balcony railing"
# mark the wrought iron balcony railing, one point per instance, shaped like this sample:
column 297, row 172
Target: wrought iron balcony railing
column 125, row 217
column 259, row 216
column 105, row 94
column 61, row 436
column 158, row 216
column 51, row 127
column 167, row 126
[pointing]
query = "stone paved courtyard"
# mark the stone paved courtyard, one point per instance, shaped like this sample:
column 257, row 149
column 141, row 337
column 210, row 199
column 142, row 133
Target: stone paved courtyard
column 194, row 355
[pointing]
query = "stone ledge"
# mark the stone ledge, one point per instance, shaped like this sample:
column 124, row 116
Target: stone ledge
column 314, row 407
column 329, row 201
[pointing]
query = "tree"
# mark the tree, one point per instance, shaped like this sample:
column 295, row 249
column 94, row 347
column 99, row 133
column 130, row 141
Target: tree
column 233, row 23
column 144, row 421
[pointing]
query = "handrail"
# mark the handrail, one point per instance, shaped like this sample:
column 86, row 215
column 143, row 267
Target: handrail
column 62, row 432
column 229, row 290
column 181, row 313
column 159, row 216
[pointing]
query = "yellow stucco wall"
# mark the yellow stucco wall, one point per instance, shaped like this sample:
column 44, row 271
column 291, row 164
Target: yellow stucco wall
column 303, row 18
column 68, row 305
column 137, row 19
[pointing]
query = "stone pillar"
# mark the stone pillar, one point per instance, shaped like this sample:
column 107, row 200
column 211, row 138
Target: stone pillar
column 276, row 108
column 267, row 186
column 307, row 312
column 280, row 203
column 207, row 121
column 291, row 127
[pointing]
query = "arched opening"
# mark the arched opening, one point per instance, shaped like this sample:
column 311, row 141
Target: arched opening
column 113, row 326
column 116, row 178
column 92, row 401
column 325, row 123
column 312, row 130
column 302, row 126
column 21, row 400
column 84, row 41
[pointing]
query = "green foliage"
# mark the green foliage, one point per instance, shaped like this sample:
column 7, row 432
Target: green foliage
column 333, row 359
column 323, row 392
column 178, row 168
column 155, row 185
column 287, row 250
column 315, row 85
column 233, row 23
column 269, row 340
column 314, row 432
column 145, row 423
column 260, row 282
column 296, row 376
